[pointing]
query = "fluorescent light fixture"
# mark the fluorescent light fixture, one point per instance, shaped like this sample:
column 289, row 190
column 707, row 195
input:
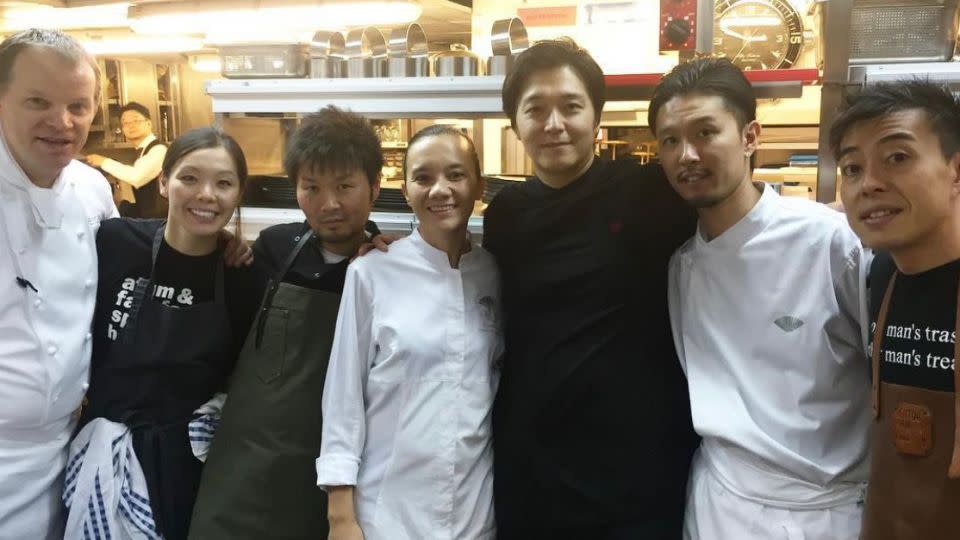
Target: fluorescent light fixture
column 21, row 17
column 142, row 45
column 204, row 63
column 203, row 17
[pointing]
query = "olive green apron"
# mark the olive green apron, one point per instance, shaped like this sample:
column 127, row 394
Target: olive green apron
column 259, row 481
column 914, row 489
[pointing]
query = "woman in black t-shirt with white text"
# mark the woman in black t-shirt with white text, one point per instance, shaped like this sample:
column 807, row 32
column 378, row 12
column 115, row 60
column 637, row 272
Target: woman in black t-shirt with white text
column 170, row 318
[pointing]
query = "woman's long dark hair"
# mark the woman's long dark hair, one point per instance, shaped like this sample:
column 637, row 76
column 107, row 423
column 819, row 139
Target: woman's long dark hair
column 201, row 139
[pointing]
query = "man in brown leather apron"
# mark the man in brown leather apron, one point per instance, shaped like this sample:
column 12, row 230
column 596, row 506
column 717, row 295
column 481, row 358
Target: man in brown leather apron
column 898, row 147
column 260, row 479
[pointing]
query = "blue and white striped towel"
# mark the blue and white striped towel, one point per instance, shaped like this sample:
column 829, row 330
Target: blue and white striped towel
column 204, row 425
column 105, row 492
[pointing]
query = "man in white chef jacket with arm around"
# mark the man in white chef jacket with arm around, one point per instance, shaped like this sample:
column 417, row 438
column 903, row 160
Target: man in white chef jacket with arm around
column 768, row 311
column 50, row 209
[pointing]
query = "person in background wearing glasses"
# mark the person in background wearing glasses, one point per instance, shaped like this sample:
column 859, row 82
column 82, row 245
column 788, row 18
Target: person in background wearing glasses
column 140, row 196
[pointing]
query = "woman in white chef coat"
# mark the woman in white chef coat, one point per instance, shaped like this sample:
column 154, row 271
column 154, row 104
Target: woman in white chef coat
column 407, row 450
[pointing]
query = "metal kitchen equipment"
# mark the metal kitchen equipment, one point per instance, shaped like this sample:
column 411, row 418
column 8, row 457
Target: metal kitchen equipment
column 892, row 31
column 408, row 52
column 264, row 60
column 326, row 55
column 457, row 62
column 366, row 52
column 508, row 37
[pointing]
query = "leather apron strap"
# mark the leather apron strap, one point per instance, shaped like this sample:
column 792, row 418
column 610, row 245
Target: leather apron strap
column 954, row 470
column 877, row 341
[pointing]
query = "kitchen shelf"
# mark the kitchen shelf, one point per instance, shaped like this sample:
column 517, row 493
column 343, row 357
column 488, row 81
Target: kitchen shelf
column 942, row 72
column 423, row 97
column 393, row 144
column 116, row 145
column 165, row 103
column 768, row 83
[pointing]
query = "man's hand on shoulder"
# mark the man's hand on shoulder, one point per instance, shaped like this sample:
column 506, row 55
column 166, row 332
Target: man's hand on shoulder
column 236, row 252
column 380, row 242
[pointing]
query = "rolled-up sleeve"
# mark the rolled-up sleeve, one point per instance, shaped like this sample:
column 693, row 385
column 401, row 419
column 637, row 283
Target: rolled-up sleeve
column 344, row 412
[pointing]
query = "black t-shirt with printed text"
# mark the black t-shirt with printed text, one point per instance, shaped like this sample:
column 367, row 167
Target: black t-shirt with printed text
column 918, row 343
column 124, row 249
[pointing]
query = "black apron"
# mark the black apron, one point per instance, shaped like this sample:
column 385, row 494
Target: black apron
column 260, row 479
column 168, row 363
column 150, row 204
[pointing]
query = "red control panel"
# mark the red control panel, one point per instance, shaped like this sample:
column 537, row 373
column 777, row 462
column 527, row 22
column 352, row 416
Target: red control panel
column 678, row 25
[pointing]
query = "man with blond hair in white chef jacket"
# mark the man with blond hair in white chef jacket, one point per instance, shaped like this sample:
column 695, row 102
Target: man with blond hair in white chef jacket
column 768, row 311
column 50, row 208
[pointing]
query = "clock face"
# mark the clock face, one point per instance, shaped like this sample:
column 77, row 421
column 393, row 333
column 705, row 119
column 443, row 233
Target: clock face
column 758, row 34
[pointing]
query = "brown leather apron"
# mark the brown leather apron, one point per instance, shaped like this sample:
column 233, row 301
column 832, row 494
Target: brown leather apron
column 914, row 490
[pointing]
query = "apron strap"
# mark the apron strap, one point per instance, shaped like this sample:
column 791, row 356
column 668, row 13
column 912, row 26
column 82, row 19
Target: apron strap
column 954, row 471
column 143, row 290
column 275, row 284
column 877, row 342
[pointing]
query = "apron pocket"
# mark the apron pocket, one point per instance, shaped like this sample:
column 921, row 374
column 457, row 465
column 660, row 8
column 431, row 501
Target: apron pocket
column 274, row 345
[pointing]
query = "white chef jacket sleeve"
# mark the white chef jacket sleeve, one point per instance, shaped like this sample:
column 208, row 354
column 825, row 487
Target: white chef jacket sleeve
column 850, row 263
column 674, row 299
column 143, row 170
column 344, row 413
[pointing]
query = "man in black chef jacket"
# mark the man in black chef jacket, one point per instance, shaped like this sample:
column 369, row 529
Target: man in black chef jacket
column 592, row 429
column 260, row 479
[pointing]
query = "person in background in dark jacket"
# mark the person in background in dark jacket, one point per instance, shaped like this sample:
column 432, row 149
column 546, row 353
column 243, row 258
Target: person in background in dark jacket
column 592, row 429
column 138, row 181
column 260, row 480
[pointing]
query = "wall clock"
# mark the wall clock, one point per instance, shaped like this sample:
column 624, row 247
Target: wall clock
column 758, row 34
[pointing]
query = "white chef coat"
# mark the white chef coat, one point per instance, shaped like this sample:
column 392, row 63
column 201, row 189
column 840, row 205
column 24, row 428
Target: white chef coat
column 47, row 236
column 409, row 393
column 769, row 321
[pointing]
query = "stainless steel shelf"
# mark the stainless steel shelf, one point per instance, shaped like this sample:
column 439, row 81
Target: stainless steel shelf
column 424, row 97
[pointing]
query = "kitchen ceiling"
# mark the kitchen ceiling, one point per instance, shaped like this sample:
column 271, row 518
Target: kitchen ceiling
column 444, row 21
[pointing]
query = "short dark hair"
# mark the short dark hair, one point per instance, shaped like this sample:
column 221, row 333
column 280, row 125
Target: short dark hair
column 707, row 76
column 137, row 107
column 435, row 131
column 334, row 140
column 935, row 100
column 553, row 54
column 63, row 44
column 203, row 138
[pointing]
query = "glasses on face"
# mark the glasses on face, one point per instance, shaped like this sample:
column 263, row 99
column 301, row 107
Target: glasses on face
column 128, row 123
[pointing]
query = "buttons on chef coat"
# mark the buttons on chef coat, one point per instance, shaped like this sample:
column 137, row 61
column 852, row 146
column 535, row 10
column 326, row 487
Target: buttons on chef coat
column 52, row 349
column 296, row 239
column 88, row 337
column 316, row 275
column 80, row 234
column 37, row 302
column 87, row 284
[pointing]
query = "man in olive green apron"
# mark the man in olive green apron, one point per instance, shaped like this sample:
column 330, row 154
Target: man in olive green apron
column 259, row 480
column 898, row 147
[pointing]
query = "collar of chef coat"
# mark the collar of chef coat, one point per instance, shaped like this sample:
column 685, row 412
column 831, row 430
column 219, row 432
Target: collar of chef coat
column 745, row 229
column 436, row 256
column 44, row 203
